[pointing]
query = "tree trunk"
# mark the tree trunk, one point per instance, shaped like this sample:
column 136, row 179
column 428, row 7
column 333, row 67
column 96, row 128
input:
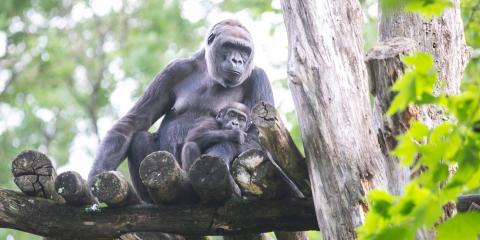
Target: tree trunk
column 328, row 80
column 442, row 37
column 384, row 62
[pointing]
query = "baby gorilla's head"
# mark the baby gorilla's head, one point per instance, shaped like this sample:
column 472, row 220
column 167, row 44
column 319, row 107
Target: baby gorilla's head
column 234, row 116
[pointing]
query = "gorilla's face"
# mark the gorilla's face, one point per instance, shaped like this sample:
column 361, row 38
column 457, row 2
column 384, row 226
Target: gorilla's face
column 234, row 116
column 229, row 53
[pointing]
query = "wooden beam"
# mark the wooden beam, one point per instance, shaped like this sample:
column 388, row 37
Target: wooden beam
column 47, row 218
column 276, row 140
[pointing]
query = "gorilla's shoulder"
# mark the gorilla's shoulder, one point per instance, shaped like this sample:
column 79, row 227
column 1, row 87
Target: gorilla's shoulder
column 258, row 74
column 183, row 65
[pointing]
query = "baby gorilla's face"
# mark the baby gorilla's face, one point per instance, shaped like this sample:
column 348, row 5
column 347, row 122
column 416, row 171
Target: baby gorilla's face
column 234, row 119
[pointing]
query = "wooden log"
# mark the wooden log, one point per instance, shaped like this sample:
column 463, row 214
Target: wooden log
column 113, row 189
column 291, row 235
column 256, row 176
column 34, row 174
column 276, row 140
column 246, row 237
column 166, row 182
column 470, row 202
column 211, row 179
column 73, row 188
column 48, row 218
column 151, row 236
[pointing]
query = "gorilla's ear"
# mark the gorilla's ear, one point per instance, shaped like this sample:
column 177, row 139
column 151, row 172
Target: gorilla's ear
column 211, row 38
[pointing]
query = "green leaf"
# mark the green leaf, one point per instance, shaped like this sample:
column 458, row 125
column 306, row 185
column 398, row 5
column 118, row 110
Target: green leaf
column 381, row 202
column 465, row 226
column 428, row 8
column 416, row 85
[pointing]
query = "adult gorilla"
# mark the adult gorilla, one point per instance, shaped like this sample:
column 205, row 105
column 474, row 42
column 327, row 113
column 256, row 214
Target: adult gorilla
column 220, row 73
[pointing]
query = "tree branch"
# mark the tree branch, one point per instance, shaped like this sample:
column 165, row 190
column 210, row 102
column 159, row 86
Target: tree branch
column 48, row 218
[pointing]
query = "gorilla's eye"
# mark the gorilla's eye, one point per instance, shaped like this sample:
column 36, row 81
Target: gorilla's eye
column 242, row 48
column 242, row 118
column 210, row 38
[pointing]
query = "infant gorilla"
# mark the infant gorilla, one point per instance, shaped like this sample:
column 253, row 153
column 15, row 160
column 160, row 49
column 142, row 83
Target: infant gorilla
column 227, row 130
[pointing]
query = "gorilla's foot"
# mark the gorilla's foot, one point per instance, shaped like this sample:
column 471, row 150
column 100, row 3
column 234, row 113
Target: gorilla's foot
column 34, row 175
column 211, row 179
column 165, row 180
column 113, row 189
column 73, row 188
column 257, row 176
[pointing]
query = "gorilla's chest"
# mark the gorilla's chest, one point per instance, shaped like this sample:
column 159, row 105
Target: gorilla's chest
column 203, row 97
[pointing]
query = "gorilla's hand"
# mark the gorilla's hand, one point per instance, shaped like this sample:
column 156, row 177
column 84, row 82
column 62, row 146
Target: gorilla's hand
column 239, row 136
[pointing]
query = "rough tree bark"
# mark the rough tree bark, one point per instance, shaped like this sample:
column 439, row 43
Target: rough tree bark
column 328, row 80
column 384, row 62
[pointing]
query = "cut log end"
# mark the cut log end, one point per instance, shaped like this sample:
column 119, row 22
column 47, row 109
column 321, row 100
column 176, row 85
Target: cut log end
column 165, row 180
column 256, row 175
column 34, row 174
column 73, row 188
column 160, row 170
column 211, row 179
column 264, row 115
column 113, row 189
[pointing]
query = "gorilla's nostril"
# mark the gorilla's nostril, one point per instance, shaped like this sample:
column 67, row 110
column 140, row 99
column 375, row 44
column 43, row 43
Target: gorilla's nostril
column 236, row 61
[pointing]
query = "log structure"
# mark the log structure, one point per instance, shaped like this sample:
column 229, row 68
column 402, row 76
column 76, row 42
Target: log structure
column 212, row 180
column 278, row 143
column 113, row 189
column 48, row 218
column 34, row 174
column 166, row 182
column 256, row 175
column 469, row 202
column 74, row 189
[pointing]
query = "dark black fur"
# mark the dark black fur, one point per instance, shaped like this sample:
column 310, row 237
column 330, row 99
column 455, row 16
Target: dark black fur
column 187, row 89
column 226, row 129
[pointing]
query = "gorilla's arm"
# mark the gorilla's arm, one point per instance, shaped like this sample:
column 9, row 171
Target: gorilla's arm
column 259, row 89
column 156, row 100
column 209, row 133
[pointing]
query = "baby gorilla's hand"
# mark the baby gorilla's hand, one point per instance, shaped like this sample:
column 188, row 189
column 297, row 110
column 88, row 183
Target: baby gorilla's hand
column 240, row 136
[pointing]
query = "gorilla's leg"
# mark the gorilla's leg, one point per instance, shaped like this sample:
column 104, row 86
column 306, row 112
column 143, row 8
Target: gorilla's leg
column 190, row 152
column 142, row 144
